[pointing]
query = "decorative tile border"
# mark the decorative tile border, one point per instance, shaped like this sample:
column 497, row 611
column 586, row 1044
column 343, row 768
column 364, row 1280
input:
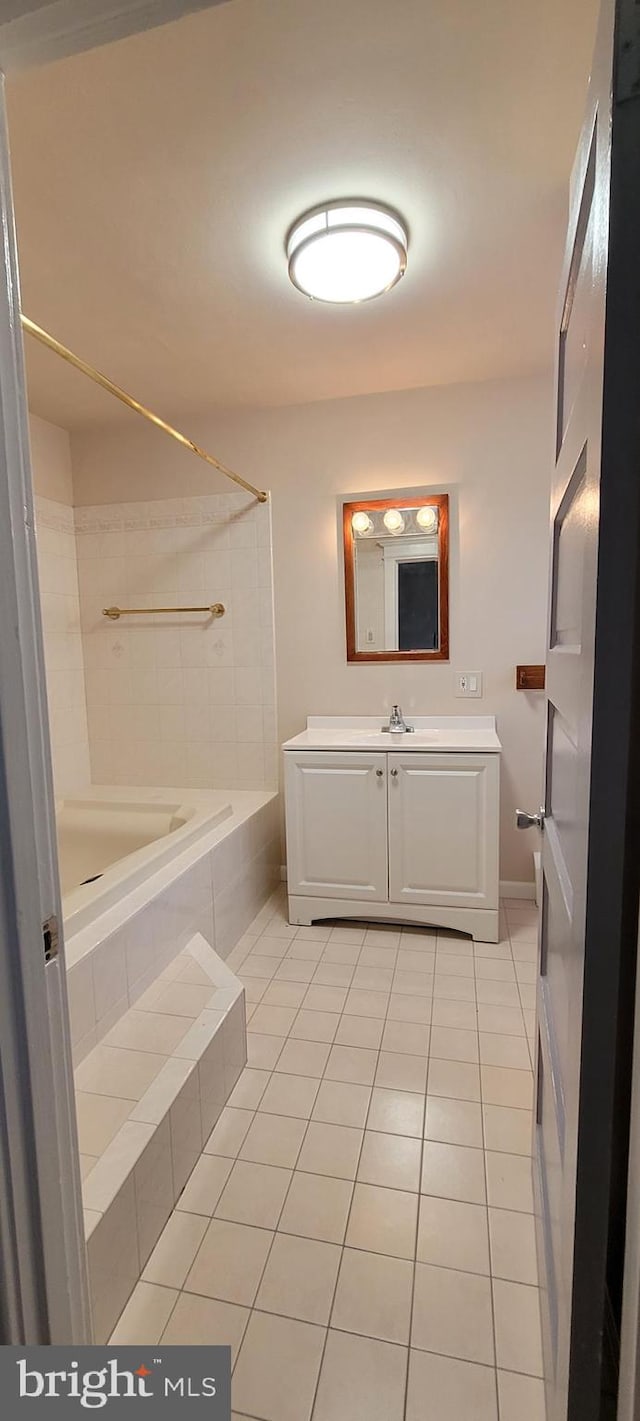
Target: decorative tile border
column 57, row 516
column 169, row 513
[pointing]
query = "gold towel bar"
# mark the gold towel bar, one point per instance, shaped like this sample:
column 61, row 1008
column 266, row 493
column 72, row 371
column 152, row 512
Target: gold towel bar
column 215, row 610
column 112, row 389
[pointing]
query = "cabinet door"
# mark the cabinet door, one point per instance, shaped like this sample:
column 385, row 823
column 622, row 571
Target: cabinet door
column 443, row 829
column 336, row 808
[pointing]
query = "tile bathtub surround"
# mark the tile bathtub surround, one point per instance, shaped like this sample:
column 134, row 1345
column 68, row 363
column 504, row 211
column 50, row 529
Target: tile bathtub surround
column 60, row 607
column 148, row 1098
column 365, row 1244
column 179, row 699
column 112, row 963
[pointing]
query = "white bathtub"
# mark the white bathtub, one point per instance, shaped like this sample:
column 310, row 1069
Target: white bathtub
column 110, row 845
column 187, row 861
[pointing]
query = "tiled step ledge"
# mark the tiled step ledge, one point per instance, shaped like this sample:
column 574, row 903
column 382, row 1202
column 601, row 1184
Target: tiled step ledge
column 130, row 1188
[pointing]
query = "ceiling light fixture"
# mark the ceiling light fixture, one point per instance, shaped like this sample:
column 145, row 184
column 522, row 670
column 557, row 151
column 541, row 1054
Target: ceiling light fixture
column 393, row 521
column 347, row 251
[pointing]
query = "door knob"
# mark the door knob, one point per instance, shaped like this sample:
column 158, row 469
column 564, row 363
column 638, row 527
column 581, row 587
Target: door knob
column 529, row 821
column 395, row 774
column 379, row 774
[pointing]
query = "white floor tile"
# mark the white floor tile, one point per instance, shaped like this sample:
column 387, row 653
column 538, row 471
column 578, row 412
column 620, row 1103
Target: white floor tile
column 446, row 1389
column 453, row 1235
column 254, row 1194
column 360, row 1378
column 145, row 1316
column 228, row 1134
column 452, row 1314
column 317, row 1206
column 373, row 1296
column 517, row 1323
column 455, row 1122
column 205, row 1322
column 176, row 1249
column 300, row 1278
column 509, row 1181
column 453, row 1172
column 513, row 1246
column 273, row 1139
column 521, row 1398
column 230, row 1262
column 277, row 1370
column 383, row 1221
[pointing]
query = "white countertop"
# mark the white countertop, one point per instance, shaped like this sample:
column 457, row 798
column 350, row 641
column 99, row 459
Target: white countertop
column 441, row 733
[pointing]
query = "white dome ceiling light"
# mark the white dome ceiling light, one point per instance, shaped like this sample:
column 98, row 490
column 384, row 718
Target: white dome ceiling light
column 347, row 251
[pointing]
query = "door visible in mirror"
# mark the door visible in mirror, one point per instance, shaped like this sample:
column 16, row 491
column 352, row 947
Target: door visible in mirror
column 396, row 562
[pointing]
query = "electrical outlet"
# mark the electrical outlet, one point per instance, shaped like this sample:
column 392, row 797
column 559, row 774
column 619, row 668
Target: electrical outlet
column 468, row 683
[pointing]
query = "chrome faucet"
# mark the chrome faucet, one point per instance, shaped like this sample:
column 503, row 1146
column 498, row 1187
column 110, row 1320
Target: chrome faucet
column 397, row 724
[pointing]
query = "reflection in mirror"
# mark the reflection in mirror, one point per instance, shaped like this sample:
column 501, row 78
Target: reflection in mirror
column 396, row 579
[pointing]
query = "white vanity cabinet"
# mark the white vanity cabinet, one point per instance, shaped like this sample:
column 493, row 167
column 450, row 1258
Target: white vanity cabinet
column 443, row 842
column 395, row 833
column 337, row 825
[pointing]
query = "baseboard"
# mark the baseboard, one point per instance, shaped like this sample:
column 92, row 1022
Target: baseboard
column 511, row 888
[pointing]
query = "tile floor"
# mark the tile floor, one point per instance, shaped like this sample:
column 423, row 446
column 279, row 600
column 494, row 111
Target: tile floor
column 359, row 1226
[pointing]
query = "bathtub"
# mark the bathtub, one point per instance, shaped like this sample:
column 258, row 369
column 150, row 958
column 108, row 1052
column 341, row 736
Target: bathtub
column 170, row 863
column 108, row 844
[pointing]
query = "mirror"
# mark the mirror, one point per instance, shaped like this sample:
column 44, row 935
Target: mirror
column 396, row 563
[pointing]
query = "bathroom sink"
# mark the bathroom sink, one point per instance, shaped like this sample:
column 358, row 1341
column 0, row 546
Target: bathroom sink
column 447, row 734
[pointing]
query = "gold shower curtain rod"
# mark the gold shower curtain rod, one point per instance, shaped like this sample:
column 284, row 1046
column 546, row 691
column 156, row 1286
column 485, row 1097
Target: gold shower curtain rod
column 99, row 379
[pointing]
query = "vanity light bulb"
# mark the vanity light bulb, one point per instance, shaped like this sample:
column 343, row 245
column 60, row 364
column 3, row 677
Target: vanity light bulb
column 427, row 519
column 393, row 521
column 361, row 523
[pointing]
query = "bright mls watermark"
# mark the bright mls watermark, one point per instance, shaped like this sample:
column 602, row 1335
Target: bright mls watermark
column 114, row 1380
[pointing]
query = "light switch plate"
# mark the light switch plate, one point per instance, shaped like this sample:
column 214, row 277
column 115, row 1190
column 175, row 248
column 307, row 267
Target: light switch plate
column 468, row 684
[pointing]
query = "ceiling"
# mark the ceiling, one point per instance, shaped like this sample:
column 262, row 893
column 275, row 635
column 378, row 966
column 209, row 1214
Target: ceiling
column 155, row 179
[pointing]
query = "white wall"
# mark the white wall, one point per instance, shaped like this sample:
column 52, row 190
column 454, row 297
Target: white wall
column 51, row 460
column 487, row 445
column 59, row 597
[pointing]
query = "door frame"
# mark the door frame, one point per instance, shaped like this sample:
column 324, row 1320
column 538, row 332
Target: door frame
column 44, row 1295
column 41, row 1224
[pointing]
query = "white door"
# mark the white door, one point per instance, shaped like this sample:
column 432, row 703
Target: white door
column 590, row 853
column 443, row 830
column 336, row 825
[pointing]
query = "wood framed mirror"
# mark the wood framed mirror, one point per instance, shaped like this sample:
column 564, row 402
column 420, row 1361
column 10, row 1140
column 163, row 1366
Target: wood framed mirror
column 396, row 568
